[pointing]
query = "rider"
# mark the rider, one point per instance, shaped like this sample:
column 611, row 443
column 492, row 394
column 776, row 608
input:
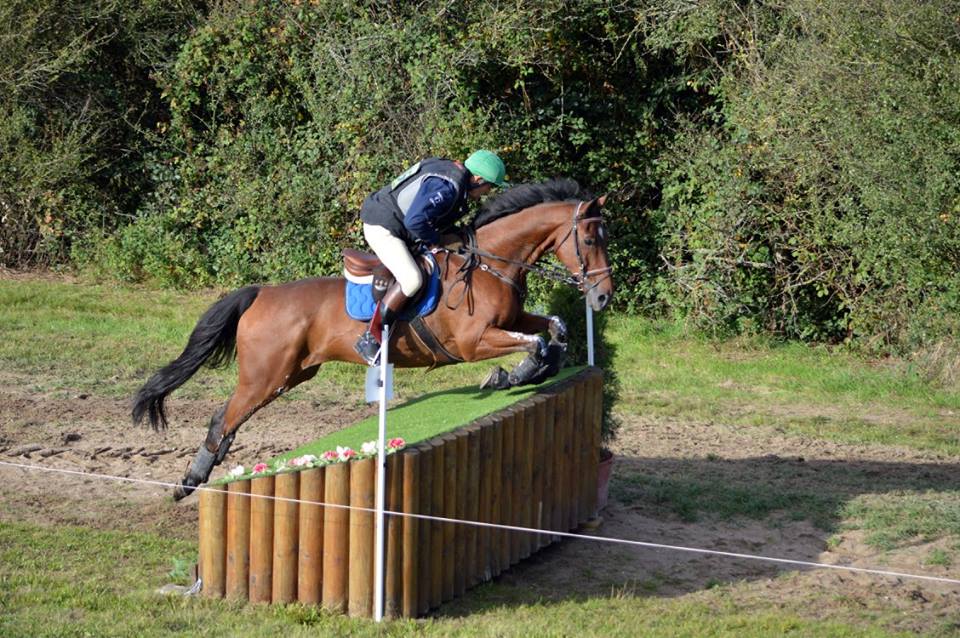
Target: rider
column 417, row 207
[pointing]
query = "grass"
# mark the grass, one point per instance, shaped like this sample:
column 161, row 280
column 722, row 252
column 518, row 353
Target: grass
column 68, row 582
column 895, row 519
column 799, row 389
column 418, row 419
column 107, row 340
column 427, row 416
column 60, row 338
column 694, row 500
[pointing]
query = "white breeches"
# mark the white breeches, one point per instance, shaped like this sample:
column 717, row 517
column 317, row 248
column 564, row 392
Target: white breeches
column 395, row 255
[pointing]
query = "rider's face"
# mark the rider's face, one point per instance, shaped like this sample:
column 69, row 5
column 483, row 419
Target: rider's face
column 479, row 191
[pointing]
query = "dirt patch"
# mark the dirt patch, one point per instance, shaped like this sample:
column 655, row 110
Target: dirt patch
column 93, row 434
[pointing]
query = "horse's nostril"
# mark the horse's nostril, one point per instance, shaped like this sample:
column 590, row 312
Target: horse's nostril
column 602, row 299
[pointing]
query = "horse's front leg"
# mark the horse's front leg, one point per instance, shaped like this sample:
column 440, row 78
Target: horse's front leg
column 529, row 322
column 496, row 342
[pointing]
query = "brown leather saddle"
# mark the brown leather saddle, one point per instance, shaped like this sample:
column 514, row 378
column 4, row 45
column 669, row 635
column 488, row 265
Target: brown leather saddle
column 366, row 268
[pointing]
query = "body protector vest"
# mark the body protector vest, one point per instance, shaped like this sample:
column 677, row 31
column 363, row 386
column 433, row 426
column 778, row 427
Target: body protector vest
column 388, row 206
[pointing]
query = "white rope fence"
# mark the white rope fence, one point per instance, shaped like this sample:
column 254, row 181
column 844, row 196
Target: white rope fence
column 513, row 528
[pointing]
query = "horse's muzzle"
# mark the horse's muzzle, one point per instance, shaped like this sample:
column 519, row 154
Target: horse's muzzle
column 598, row 299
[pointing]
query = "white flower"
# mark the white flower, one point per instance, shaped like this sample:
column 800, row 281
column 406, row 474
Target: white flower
column 345, row 453
column 237, row 471
column 370, row 447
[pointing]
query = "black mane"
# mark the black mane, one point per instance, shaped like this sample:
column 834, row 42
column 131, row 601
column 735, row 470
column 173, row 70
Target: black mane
column 527, row 195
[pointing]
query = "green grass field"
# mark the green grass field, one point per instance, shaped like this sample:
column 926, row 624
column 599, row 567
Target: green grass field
column 60, row 338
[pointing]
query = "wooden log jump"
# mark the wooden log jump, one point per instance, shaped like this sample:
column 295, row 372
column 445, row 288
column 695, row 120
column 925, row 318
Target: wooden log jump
column 531, row 465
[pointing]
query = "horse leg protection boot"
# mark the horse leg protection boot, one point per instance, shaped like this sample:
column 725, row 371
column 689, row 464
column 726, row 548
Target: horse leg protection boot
column 531, row 369
column 225, row 444
column 198, row 473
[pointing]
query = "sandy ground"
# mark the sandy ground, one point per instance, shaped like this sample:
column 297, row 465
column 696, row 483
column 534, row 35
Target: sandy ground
column 94, row 435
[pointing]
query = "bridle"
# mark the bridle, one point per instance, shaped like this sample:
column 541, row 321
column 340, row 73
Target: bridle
column 473, row 259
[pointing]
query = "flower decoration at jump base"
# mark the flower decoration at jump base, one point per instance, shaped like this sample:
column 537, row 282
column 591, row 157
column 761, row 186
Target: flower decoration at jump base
column 307, row 461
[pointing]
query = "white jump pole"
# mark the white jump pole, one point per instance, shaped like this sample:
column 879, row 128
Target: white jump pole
column 589, row 333
column 378, row 563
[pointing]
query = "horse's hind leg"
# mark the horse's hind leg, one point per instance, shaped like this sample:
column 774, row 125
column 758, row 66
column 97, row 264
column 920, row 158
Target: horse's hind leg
column 246, row 400
column 211, row 453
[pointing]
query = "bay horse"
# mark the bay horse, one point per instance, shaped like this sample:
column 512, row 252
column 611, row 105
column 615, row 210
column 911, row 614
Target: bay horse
column 283, row 334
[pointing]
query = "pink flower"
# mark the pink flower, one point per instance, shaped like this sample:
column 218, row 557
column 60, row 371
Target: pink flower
column 396, row 444
column 330, row 455
column 345, row 453
column 259, row 467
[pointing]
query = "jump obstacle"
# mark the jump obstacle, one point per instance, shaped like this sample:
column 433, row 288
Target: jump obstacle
column 533, row 464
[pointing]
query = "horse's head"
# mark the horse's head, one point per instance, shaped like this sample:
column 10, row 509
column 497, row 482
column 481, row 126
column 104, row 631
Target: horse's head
column 583, row 250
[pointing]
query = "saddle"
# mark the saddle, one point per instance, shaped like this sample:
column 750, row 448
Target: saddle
column 368, row 280
column 366, row 269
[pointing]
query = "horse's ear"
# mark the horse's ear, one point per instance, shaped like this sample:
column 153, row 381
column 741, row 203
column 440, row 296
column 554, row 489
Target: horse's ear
column 597, row 204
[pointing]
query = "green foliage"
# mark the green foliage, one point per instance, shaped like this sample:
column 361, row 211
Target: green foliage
column 78, row 98
column 821, row 201
column 786, row 167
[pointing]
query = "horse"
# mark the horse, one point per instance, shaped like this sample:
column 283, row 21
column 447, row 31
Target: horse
column 282, row 334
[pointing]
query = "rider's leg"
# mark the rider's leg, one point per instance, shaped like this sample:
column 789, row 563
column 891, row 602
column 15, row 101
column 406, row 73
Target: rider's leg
column 395, row 255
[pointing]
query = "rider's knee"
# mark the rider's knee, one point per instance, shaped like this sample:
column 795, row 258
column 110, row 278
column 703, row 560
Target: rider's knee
column 410, row 282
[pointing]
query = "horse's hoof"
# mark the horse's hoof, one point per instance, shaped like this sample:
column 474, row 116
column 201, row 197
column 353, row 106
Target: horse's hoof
column 498, row 379
column 182, row 491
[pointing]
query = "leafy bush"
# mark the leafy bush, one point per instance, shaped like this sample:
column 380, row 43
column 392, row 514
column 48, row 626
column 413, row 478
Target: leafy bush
column 822, row 203
column 784, row 167
column 78, row 99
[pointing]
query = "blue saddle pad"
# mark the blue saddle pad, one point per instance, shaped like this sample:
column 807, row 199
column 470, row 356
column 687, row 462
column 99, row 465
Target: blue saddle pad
column 360, row 303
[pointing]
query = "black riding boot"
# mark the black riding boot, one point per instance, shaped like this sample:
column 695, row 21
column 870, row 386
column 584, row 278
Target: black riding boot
column 387, row 312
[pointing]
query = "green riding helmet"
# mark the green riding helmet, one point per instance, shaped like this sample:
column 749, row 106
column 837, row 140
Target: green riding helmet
column 487, row 165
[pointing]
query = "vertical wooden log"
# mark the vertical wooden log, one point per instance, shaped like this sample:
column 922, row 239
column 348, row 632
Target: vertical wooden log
column 484, row 567
column 570, row 450
column 580, row 449
column 213, row 541
column 286, row 536
column 549, row 461
column 449, row 511
column 539, row 467
column 527, row 453
column 238, row 540
column 425, row 548
column 472, row 513
column 519, row 455
column 360, row 573
column 261, row 539
column 460, row 530
column 595, row 412
column 412, row 549
column 436, row 527
column 506, row 494
column 562, row 487
column 310, row 559
column 393, row 601
column 336, row 537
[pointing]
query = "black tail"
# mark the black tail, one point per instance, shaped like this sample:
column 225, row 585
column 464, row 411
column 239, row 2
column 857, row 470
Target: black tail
column 212, row 341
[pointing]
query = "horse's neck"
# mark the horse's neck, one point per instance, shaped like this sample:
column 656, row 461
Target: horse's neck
column 525, row 235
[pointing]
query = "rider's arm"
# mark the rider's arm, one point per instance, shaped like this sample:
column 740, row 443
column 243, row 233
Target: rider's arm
column 434, row 199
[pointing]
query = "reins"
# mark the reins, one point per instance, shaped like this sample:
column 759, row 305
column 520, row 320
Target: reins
column 473, row 260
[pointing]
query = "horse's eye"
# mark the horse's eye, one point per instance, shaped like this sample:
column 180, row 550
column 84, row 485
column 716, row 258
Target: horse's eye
column 588, row 241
